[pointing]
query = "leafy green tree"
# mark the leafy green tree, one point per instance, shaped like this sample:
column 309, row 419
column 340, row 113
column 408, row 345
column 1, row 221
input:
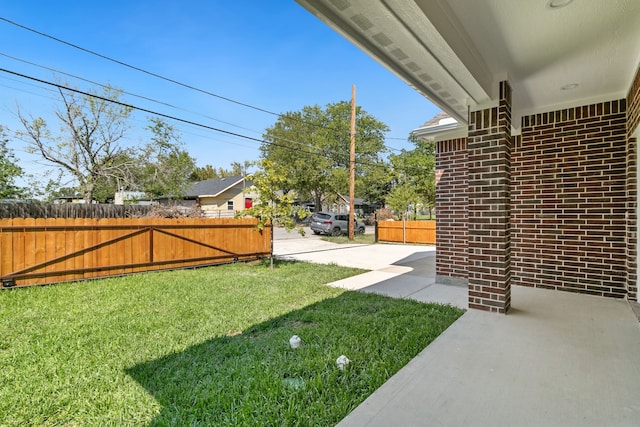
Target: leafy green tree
column 401, row 198
column 374, row 185
column 203, row 173
column 89, row 144
column 210, row 172
column 313, row 146
column 273, row 206
column 416, row 168
column 53, row 190
column 9, row 170
column 166, row 168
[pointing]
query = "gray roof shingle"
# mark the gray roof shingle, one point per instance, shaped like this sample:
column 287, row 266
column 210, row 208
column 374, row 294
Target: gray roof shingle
column 213, row 187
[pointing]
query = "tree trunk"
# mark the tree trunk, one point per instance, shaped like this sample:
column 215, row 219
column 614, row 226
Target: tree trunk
column 317, row 202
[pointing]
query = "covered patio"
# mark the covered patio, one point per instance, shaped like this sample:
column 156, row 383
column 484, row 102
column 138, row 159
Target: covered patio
column 536, row 204
column 536, row 163
column 557, row 359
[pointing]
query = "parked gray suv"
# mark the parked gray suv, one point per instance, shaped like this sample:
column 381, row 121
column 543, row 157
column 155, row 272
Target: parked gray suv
column 334, row 224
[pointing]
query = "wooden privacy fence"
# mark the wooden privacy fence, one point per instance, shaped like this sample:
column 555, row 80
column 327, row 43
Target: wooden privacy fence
column 39, row 251
column 412, row 232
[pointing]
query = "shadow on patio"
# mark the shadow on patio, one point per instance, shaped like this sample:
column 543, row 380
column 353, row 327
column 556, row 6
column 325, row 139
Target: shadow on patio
column 412, row 277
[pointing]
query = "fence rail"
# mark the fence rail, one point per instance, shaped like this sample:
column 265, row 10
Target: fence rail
column 42, row 251
column 423, row 232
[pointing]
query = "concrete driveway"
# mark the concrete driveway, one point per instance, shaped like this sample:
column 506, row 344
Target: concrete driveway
column 402, row 271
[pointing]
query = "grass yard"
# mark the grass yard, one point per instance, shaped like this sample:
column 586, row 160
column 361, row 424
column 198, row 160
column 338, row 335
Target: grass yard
column 363, row 239
column 203, row 347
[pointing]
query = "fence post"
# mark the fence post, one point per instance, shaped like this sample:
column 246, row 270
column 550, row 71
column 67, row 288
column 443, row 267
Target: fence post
column 375, row 231
column 404, row 231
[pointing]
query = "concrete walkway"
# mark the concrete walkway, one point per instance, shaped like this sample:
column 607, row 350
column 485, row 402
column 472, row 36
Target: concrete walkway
column 402, row 271
column 557, row 359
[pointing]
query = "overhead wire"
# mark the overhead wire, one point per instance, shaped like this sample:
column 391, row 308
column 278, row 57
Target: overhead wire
column 148, row 111
column 159, row 76
column 133, row 67
column 329, row 155
column 104, row 86
column 143, row 97
column 182, row 130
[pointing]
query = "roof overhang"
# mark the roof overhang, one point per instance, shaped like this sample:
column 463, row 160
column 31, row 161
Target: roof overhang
column 441, row 132
column 456, row 53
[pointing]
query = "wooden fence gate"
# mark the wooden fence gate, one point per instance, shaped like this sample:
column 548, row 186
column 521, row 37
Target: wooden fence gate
column 39, row 251
column 423, row 232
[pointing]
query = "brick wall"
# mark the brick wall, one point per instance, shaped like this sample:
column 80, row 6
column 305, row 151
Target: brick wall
column 633, row 122
column 631, row 230
column 573, row 201
column 569, row 200
column 489, row 166
column 451, row 211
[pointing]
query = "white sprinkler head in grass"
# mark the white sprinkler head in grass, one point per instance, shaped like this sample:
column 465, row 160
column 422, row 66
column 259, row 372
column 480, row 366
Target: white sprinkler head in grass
column 295, row 341
column 342, row 362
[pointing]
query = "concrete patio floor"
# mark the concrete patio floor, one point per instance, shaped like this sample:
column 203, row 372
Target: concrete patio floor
column 557, row 359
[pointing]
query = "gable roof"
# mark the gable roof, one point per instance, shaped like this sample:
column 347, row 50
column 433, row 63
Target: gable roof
column 356, row 200
column 214, row 187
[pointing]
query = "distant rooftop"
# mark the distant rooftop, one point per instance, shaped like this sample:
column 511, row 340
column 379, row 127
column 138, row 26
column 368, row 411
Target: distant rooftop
column 214, row 187
column 442, row 125
column 441, row 118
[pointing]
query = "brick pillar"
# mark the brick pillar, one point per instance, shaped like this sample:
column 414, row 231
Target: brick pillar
column 631, row 208
column 633, row 129
column 451, row 211
column 489, row 166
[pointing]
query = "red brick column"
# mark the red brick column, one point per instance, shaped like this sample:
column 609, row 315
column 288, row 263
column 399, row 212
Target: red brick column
column 633, row 124
column 631, row 238
column 489, row 165
column 451, row 211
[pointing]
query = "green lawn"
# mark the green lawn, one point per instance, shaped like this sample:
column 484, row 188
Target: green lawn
column 203, row 347
column 366, row 239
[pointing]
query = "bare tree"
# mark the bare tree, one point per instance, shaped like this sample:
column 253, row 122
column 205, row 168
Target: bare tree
column 89, row 144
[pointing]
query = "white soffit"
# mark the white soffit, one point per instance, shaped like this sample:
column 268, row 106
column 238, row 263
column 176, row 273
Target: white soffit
column 592, row 43
column 455, row 52
column 398, row 35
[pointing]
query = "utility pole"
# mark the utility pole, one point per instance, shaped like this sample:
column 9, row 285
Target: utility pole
column 352, row 165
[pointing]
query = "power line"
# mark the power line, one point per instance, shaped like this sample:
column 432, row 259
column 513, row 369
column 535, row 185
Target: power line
column 125, row 92
column 329, row 155
column 145, row 110
column 147, row 98
column 181, row 121
column 182, row 131
column 133, row 67
column 151, row 73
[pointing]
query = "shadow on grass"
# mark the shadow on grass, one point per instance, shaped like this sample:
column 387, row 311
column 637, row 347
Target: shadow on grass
column 255, row 378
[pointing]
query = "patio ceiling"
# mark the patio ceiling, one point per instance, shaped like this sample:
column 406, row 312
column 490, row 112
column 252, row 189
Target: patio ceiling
column 455, row 52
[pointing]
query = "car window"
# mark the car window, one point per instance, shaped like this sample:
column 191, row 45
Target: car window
column 322, row 216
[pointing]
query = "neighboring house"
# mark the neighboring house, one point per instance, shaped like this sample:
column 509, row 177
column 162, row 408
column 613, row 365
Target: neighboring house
column 76, row 200
column 341, row 205
column 537, row 160
column 221, row 197
column 126, row 197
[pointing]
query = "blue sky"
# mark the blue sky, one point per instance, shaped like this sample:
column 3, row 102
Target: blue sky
column 271, row 54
